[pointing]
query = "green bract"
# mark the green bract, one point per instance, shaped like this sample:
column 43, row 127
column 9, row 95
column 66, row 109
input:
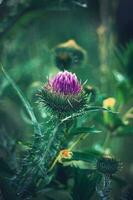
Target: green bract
column 62, row 104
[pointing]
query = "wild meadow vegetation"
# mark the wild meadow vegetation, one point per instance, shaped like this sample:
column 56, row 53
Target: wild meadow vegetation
column 66, row 103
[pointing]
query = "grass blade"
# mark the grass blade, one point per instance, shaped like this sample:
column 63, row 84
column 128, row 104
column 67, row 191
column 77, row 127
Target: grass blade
column 25, row 102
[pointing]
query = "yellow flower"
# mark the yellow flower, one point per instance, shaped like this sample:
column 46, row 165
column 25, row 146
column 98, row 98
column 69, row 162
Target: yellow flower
column 109, row 102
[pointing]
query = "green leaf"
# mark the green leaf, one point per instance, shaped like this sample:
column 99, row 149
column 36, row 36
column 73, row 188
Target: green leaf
column 88, row 157
column 87, row 130
column 97, row 108
column 83, row 160
column 80, row 165
column 85, row 184
column 25, row 102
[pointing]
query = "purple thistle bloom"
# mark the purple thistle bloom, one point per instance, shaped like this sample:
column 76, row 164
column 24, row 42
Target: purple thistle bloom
column 63, row 94
column 65, row 83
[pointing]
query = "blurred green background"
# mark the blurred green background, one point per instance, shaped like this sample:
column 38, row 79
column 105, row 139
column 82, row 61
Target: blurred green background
column 29, row 32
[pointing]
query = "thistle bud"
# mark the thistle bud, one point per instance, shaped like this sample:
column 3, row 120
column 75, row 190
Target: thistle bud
column 63, row 94
column 107, row 165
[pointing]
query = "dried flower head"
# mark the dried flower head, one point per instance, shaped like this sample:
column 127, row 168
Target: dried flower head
column 107, row 165
column 63, row 94
column 68, row 54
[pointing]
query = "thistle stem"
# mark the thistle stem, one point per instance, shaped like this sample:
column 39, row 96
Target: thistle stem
column 104, row 192
column 34, row 172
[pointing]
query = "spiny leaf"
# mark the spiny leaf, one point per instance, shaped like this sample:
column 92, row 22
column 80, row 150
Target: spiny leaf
column 25, row 102
column 82, row 160
column 80, row 164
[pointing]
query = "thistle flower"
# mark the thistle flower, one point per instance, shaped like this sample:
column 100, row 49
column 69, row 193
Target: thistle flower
column 108, row 165
column 63, row 94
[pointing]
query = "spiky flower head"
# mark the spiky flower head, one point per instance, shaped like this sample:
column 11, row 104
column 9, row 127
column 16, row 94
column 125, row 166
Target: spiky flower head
column 107, row 165
column 63, row 94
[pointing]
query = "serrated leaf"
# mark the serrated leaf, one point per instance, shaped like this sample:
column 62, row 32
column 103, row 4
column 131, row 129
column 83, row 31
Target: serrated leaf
column 82, row 160
column 80, row 164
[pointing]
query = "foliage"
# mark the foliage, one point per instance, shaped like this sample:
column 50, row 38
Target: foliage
column 42, row 155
